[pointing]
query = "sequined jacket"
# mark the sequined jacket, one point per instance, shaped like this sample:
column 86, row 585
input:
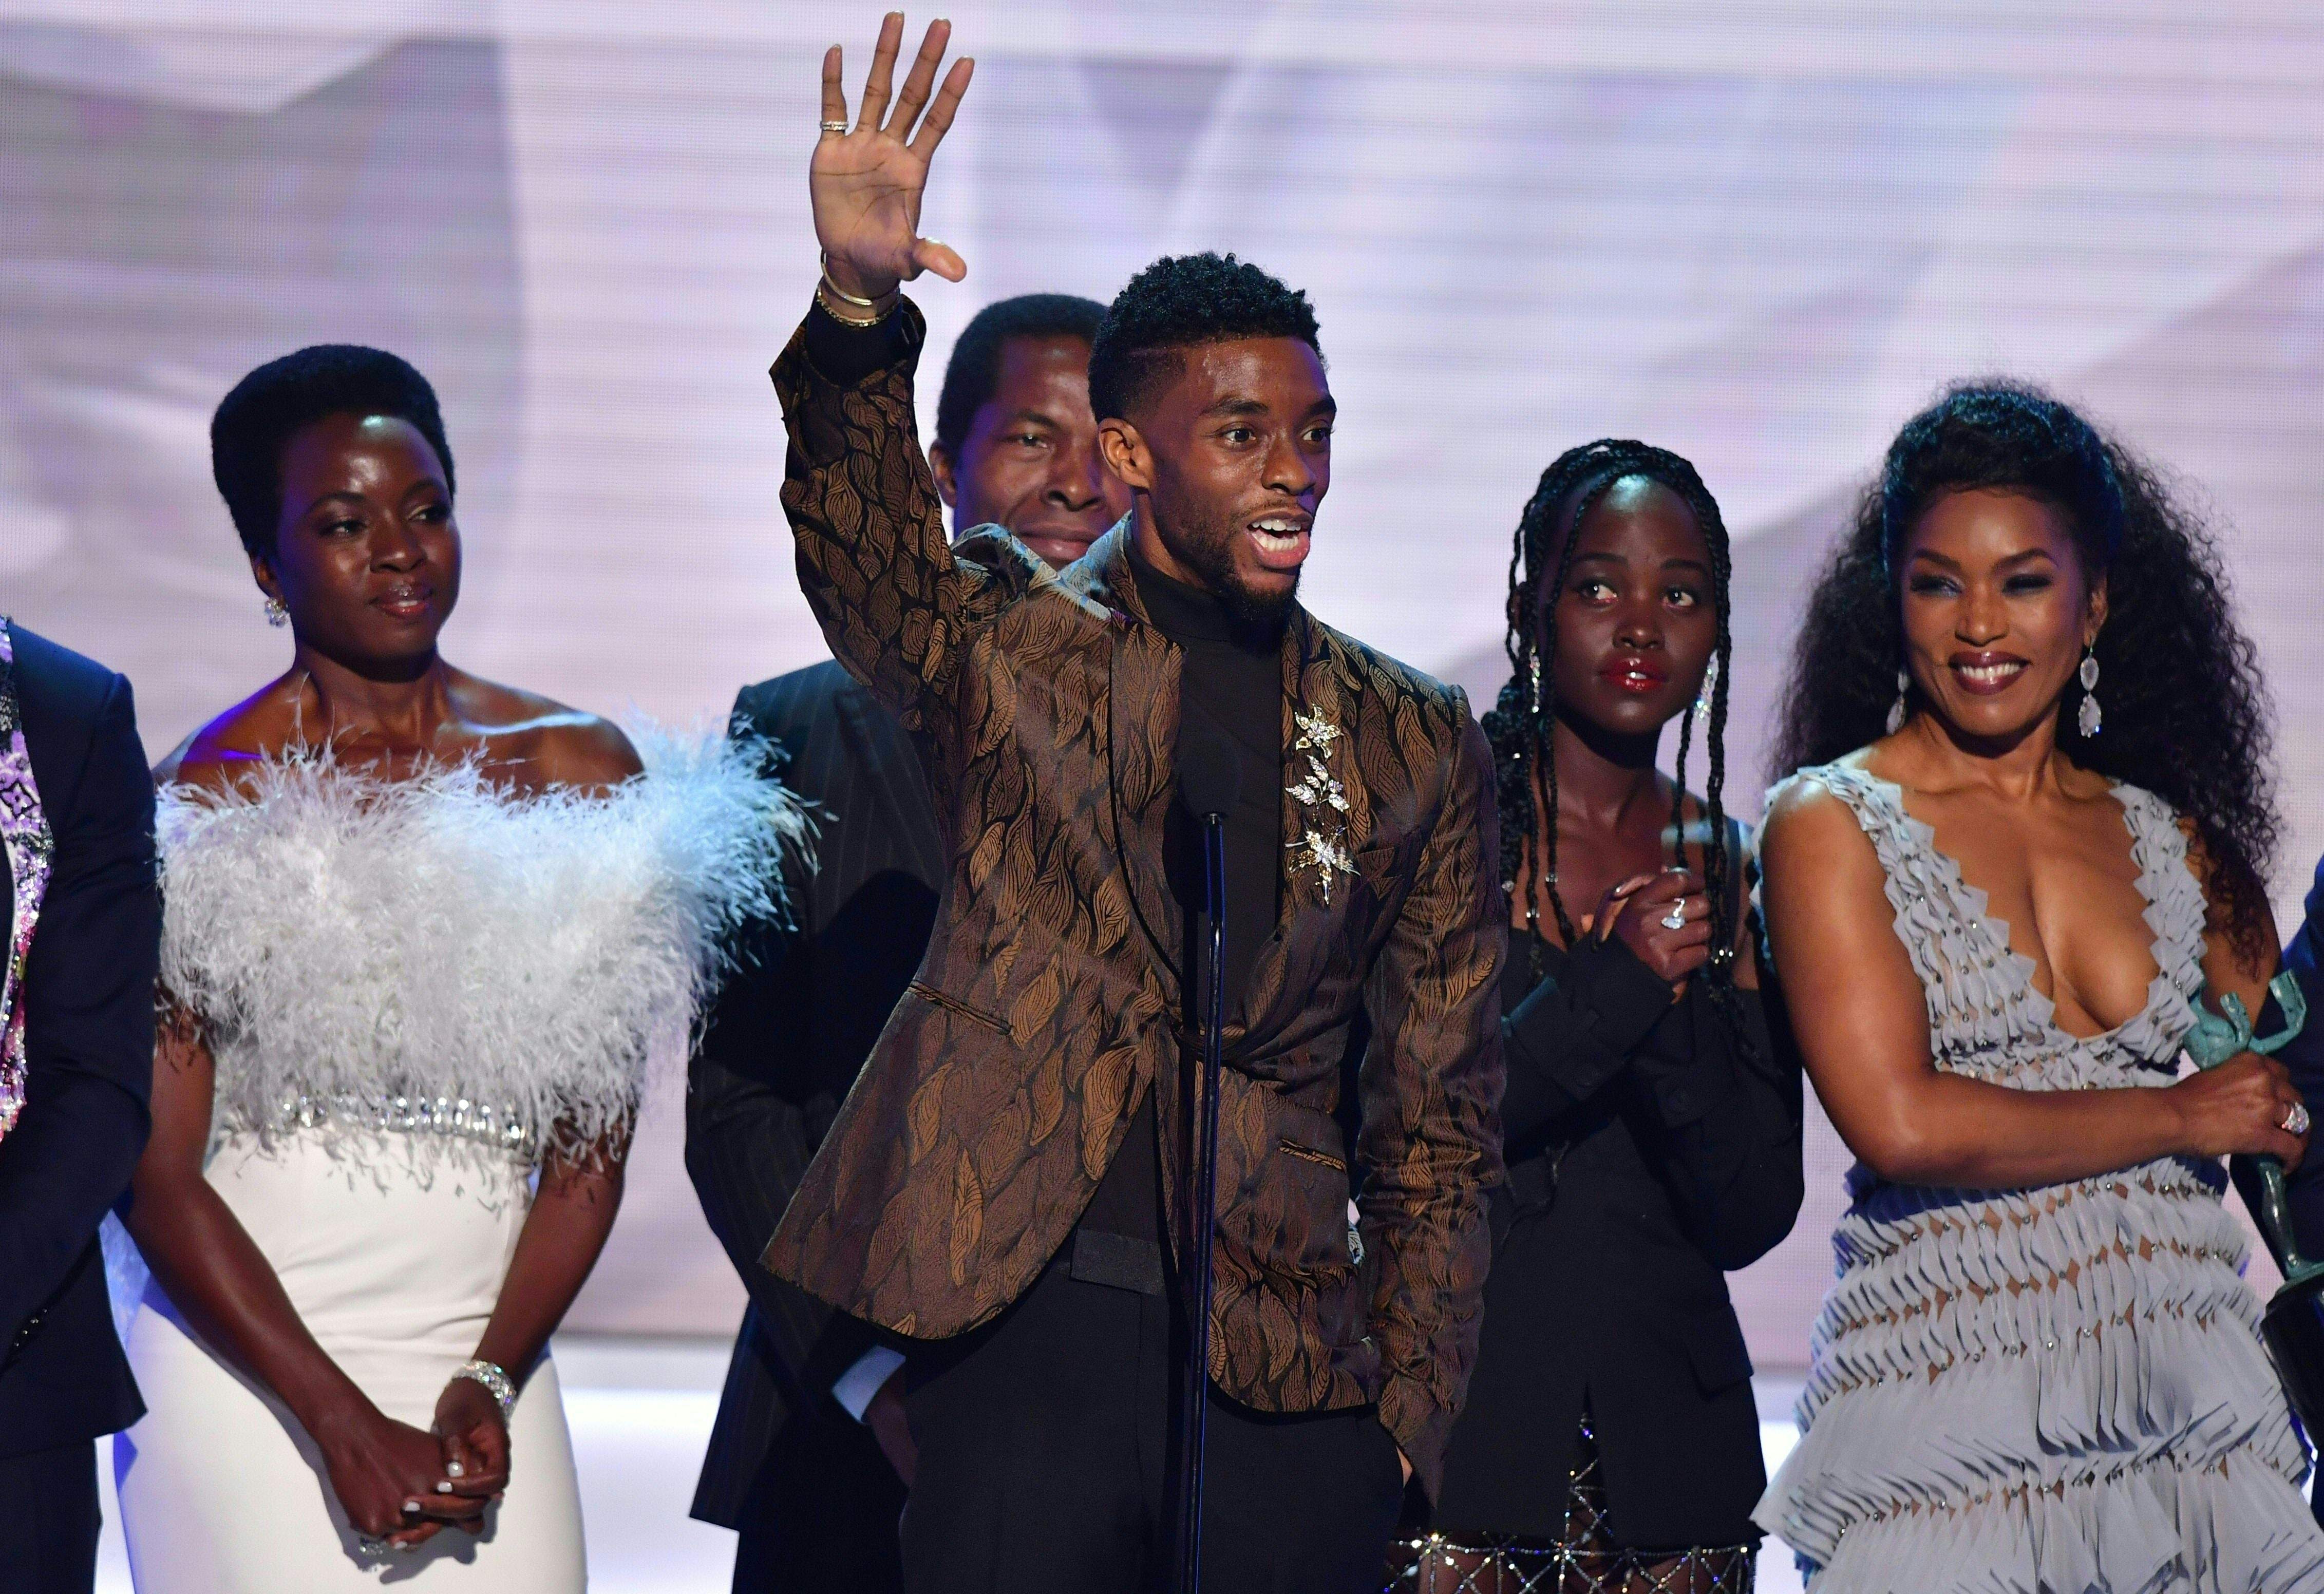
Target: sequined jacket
column 1045, row 707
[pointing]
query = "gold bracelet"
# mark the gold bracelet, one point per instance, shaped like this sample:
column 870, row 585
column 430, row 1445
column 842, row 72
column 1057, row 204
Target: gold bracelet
column 841, row 293
column 823, row 301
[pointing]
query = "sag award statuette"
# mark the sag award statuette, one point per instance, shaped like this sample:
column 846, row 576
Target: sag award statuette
column 2294, row 1324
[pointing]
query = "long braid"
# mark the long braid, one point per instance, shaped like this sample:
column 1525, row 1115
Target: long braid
column 1544, row 717
column 1678, row 788
column 1518, row 728
column 1720, row 868
column 1507, row 724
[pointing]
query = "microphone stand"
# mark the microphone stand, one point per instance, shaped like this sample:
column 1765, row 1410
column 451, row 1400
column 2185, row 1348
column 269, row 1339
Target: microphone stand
column 1201, row 1210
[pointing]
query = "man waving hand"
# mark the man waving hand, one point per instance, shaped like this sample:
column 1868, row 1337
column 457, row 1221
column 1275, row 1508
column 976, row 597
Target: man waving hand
column 999, row 1193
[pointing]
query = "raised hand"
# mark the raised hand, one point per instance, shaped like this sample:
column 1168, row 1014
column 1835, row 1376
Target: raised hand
column 866, row 182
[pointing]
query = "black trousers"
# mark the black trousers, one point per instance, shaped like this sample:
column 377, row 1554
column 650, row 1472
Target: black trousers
column 1048, row 1464
column 823, row 1513
column 49, row 1519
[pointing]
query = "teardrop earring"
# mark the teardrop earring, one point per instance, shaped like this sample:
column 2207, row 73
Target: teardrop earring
column 1896, row 709
column 2089, row 720
column 277, row 615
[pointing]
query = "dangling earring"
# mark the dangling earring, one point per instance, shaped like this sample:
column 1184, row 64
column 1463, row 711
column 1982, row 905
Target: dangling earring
column 1533, row 703
column 2088, row 719
column 1896, row 709
column 1710, row 687
column 277, row 615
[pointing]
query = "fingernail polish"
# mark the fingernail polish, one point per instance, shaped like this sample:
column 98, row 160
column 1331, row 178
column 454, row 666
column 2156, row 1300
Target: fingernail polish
column 443, row 1488
column 455, row 1471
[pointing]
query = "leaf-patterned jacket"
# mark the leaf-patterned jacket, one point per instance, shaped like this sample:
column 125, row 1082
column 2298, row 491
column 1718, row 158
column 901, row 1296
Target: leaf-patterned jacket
column 1046, row 708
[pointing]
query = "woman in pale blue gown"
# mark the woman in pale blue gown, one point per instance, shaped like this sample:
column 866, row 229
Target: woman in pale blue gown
column 2028, row 834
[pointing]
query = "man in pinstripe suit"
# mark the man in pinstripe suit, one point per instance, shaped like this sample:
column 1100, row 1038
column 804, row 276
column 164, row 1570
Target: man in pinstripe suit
column 810, row 1457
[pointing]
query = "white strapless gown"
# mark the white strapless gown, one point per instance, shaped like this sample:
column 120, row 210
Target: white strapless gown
column 393, row 1247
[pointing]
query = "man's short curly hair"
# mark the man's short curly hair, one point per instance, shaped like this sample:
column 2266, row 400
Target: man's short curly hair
column 271, row 405
column 974, row 372
column 1179, row 301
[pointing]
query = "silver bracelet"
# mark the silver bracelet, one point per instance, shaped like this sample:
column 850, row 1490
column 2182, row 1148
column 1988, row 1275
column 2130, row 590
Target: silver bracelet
column 841, row 293
column 497, row 1383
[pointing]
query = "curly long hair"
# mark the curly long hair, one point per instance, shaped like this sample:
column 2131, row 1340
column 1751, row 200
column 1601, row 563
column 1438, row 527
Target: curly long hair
column 1518, row 727
column 2185, row 713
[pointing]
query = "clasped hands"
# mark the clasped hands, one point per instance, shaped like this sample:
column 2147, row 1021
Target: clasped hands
column 1665, row 919
column 402, row 1485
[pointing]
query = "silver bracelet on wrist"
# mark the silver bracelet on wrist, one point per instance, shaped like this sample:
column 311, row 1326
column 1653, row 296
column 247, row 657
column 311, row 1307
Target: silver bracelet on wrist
column 841, row 293
column 495, row 1381
column 845, row 297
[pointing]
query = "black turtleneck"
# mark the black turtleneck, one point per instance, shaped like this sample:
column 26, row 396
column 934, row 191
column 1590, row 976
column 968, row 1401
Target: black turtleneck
column 1230, row 688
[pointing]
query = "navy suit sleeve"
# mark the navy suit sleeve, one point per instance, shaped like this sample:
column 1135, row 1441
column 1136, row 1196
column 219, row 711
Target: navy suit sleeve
column 2300, row 955
column 2303, row 1058
column 89, row 1012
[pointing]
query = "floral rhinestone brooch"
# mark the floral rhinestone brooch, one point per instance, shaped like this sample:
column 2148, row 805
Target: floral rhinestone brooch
column 1324, row 844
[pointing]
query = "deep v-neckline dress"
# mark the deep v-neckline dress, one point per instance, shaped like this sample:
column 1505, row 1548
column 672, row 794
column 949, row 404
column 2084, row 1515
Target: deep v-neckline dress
column 2060, row 1388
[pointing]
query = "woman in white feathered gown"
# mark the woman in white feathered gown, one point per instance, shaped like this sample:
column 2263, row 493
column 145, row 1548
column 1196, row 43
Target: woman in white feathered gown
column 421, row 931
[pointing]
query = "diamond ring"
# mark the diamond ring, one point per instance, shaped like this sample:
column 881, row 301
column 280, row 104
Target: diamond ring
column 1675, row 919
column 2295, row 1122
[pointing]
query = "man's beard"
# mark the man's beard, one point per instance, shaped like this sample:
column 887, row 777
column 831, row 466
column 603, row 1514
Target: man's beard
column 1209, row 556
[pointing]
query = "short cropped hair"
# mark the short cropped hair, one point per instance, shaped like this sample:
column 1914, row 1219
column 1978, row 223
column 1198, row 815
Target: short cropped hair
column 1181, row 302
column 974, row 371
column 256, row 421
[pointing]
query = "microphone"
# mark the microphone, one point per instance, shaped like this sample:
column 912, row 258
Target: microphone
column 1210, row 779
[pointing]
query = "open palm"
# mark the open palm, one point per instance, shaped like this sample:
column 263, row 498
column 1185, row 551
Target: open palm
column 866, row 183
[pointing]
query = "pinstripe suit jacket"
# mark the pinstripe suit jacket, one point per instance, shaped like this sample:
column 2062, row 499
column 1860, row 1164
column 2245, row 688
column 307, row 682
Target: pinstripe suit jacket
column 1045, row 708
column 787, row 1035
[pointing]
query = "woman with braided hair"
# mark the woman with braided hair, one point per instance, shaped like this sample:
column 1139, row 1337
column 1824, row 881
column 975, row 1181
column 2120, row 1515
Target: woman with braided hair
column 2039, row 1369
column 1610, row 1442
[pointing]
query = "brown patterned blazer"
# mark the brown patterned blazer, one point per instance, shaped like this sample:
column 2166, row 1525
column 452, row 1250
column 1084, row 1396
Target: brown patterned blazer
column 1046, row 708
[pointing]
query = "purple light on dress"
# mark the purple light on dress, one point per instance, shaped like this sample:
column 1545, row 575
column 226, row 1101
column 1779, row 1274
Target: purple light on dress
column 25, row 835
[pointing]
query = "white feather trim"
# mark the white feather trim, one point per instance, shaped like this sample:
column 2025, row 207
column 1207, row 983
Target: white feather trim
column 441, row 952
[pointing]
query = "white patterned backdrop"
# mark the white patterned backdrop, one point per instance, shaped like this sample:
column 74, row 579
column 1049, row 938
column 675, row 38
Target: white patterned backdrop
column 1759, row 232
